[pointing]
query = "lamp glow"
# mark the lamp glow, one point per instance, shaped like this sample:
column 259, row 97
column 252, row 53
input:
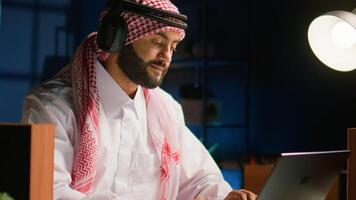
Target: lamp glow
column 332, row 37
column 343, row 35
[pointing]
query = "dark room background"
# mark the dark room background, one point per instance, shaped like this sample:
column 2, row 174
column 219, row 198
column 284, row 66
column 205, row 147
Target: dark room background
column 251, row 57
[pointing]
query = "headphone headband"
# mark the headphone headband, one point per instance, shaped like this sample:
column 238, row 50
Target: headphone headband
column 118, row 6
column 112, row 28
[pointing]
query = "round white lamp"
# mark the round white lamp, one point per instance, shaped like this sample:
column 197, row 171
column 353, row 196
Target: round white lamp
column 332, row 37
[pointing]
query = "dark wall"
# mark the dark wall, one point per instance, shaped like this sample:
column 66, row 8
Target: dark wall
column 297, row 103
column 84, row 18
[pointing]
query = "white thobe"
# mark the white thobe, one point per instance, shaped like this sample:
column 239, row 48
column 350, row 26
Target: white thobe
column 127, row 165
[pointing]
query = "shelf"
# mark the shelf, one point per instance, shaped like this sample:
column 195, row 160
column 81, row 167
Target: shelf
column 188, row 64
column 17, row 76
column 37, row 6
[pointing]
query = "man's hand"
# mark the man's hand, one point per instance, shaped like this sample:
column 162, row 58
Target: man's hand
column 202, row 198
column 241, row 195
column 235, row 195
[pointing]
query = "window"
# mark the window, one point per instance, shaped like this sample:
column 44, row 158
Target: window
column 27, row 37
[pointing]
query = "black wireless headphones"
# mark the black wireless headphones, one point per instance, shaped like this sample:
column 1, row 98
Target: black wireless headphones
column 112, row 28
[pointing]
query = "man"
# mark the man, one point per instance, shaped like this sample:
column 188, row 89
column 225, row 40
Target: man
column 119, row 136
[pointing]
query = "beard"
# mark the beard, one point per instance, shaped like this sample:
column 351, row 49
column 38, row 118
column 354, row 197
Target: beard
column 137, row 70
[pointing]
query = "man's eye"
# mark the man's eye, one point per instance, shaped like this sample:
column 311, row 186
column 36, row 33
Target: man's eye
column 157, row 42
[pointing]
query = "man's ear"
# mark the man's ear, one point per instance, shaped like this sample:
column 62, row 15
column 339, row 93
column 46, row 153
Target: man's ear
column 112, row 59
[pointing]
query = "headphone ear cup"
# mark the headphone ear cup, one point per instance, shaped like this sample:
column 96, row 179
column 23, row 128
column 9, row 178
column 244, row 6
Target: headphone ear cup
column 120, row 36
column 111, row 33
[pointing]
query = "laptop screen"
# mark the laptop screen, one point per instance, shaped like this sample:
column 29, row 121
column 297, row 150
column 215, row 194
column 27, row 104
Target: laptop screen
column 304, row 175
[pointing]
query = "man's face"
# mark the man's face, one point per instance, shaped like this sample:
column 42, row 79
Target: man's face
column 146, row 60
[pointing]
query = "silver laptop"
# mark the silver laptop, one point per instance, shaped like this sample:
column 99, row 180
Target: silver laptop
column 304, row 176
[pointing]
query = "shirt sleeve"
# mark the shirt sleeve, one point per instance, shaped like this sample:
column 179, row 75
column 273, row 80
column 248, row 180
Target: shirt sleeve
column 57, row 112
column 200, row 175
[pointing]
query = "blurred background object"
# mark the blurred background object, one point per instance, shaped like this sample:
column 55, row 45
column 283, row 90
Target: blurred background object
column 0, row 12
column 250, row 58
column 271, row 94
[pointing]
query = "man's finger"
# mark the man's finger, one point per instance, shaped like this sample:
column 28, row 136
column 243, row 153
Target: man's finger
column 202, row 198
column 241, row 195
column 236, row 195
column 250, row 195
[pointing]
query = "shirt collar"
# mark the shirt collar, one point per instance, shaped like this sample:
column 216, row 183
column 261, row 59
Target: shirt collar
column 113, row 97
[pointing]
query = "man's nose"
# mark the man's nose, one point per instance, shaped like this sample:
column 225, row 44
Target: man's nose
column 166, row 54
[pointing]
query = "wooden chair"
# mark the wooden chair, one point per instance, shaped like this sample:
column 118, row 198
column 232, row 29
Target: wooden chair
column 351, row 165
column 26, row 166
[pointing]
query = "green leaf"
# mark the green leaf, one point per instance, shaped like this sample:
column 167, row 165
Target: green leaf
column 5, row 196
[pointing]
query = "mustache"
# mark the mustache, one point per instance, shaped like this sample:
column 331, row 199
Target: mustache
column 160, row 63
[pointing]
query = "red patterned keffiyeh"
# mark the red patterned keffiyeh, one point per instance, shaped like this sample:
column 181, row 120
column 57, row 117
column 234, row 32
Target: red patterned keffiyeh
column 86, row 101
column 139, row 27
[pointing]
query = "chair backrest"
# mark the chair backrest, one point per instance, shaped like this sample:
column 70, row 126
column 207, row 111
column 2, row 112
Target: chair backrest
column 26, row 169
column 351, row 165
